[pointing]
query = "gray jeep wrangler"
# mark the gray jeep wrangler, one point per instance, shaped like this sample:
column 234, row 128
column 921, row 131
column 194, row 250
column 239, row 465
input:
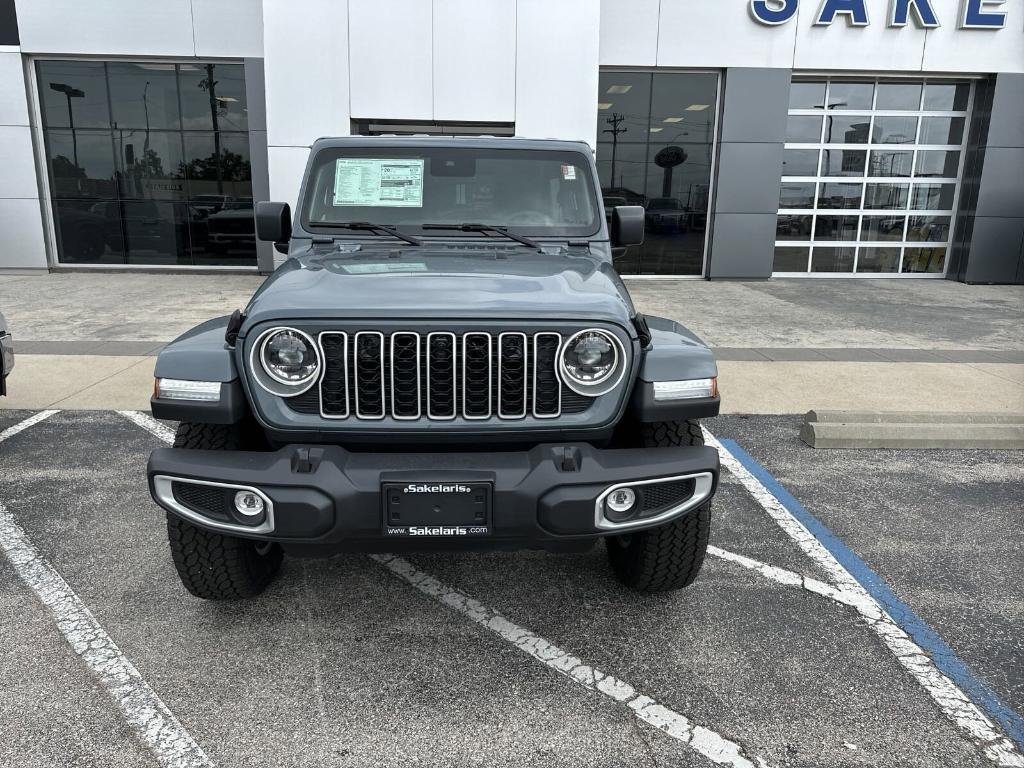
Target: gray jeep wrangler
column 446, row 360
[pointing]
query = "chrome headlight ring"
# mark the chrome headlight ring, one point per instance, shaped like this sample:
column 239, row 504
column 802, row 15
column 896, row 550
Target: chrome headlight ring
column 273, row 384
column 605, row 383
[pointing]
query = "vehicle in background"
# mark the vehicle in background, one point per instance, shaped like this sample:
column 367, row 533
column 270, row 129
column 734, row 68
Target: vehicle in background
column 208, row 204
column 231, row 227
column 6, row 354
column 665, row 214
column 794, row 224
column 83, row 232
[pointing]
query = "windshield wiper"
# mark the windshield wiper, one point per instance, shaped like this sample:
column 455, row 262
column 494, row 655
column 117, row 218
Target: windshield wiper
column 486, row 228
column 368, row 227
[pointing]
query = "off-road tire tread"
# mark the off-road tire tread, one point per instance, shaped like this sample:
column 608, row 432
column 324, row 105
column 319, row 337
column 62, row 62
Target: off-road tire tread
column 663, row 434
column 209, row 437
column 217, row 567
column 665, row 558
column 211, row 565
column 668, row 557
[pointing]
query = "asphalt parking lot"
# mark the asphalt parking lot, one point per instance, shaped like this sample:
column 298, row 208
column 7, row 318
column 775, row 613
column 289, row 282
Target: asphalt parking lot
column 787, row 651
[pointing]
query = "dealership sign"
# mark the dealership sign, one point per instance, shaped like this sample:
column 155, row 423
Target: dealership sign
column 974, row 14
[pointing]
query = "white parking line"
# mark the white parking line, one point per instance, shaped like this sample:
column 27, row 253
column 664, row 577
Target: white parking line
column 150, row 424
column 21, row 426
column 783, row 576
column 703, row 740
column 154, row 724
column 949, row 698
column 794, row 579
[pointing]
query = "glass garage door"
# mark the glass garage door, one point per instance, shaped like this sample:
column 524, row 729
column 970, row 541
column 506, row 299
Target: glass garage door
column 871, row 176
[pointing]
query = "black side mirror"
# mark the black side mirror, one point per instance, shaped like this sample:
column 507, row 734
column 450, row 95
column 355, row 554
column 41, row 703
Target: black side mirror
column 627, row 225
column 274, row 222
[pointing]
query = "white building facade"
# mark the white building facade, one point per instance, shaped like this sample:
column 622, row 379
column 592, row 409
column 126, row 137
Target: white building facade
column 764, row 137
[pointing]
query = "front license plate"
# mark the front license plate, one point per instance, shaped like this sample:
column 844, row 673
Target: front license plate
column 429, row 509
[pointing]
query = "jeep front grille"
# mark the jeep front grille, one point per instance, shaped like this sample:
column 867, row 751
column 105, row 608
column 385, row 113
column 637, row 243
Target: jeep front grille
column 440, row 376
column 477, row 378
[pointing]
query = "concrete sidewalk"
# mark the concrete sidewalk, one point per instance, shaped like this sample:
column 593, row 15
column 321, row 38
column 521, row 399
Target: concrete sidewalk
column 87, row 340
column 773, row 314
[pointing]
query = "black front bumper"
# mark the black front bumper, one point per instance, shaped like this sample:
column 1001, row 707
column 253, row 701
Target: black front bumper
column 326, row 499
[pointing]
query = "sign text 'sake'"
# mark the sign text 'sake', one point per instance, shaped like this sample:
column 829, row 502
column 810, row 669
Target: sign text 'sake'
column 974, row 14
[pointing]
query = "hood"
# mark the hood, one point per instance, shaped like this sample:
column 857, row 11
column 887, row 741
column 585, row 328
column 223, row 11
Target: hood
column 440, row 283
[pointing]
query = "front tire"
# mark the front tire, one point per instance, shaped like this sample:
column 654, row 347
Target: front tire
column 212, row 565
column 670, row 556
column 671, row 434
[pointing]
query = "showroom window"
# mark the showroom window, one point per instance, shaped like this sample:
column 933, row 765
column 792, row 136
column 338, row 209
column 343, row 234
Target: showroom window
column 148, row 162
column 870, row 176
column 655, row 142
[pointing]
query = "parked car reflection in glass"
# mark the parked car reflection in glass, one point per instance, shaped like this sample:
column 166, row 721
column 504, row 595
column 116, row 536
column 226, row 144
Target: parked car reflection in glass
column 232, row 229
column 793, row 227
column 665, row 214
column 85, row 232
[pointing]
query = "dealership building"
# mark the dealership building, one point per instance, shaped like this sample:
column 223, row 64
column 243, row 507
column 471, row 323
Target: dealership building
column 830, row 138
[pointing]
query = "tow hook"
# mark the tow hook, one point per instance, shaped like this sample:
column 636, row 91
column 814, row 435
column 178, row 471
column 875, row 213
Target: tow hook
column 306, row 460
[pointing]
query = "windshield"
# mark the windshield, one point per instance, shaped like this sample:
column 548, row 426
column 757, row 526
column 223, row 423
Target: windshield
column 533, row 192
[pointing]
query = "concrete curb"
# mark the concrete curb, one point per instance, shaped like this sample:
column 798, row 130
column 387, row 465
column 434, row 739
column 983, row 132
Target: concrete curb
column 878, row 429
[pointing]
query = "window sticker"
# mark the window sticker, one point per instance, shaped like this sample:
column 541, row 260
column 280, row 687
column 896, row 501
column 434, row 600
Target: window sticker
column 379, row 183
column 376, row 269
column 568, row 172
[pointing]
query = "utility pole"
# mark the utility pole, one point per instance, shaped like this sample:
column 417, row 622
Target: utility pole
column 209, row 84
column 145, row 106
column 614, row 121
column 70, row 93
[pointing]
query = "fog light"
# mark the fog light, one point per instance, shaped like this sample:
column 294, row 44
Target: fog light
column 249, row 504
column 621, row 500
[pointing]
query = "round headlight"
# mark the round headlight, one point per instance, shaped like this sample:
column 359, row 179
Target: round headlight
column 592, row 362
column 284, row 361
column 289, row 356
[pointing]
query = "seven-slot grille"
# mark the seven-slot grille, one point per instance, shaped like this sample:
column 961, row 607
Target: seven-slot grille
column 441, row 376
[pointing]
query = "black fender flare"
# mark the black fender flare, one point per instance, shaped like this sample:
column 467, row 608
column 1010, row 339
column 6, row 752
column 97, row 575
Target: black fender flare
column 202, row 354
column 675, row 353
